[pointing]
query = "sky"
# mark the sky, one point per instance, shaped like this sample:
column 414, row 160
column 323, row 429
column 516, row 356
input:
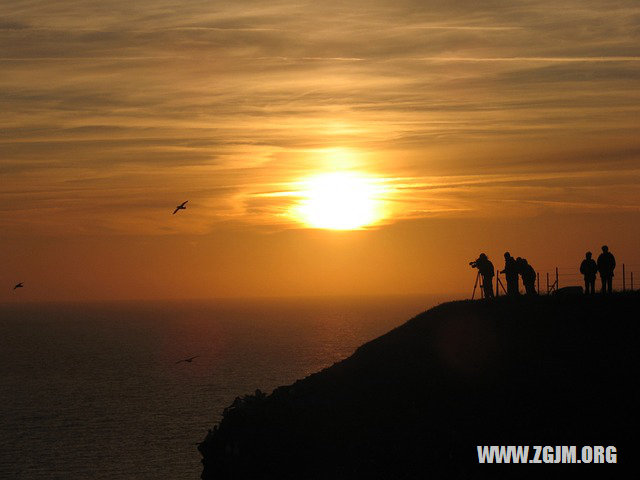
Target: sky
column 484, row 126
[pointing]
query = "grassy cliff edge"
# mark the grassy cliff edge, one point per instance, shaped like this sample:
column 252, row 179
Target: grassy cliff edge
column 415, row 402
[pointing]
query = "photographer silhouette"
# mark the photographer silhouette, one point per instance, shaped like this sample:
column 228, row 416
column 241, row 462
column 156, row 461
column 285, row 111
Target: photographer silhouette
column 486, row 270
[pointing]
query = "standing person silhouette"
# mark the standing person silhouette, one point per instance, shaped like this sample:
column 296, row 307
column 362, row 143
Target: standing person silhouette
column 485, row 267
column 511, row 273
column 606, row 266
column 589, row 268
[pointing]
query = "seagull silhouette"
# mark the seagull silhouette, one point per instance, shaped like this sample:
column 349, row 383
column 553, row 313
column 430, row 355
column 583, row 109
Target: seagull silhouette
column 181, row 207
column 189, row 360
column 19, row 285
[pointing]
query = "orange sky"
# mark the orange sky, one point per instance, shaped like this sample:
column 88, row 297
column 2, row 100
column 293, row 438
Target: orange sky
column 491, row 125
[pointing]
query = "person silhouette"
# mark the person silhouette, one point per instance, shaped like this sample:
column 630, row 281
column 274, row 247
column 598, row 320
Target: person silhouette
column 528, row 275
column 485, row 267
column 606, row 266
column 511, row 274
column 589, row 268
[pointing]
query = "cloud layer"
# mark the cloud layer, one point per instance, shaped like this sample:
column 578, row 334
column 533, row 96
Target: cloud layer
column 114, row 111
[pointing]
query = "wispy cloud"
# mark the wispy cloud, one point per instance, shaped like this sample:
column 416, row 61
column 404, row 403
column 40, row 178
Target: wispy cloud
column 114, row 110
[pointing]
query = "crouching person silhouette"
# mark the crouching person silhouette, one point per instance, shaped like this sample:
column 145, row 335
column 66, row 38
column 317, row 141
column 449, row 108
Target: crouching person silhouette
column 589, row 268
column 485, row 267
column 528, row 275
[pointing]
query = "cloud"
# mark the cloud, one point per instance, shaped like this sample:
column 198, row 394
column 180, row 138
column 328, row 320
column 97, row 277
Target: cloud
column 153, row 100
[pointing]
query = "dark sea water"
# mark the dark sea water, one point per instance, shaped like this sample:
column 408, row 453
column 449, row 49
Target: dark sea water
column 91, row 391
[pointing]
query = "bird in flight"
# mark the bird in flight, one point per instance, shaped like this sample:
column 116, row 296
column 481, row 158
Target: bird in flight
column 188, row 360
column 19, row 285
column 181, row 207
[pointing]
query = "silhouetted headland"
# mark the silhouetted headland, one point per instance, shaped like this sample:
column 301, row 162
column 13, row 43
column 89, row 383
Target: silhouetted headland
column 415, row 402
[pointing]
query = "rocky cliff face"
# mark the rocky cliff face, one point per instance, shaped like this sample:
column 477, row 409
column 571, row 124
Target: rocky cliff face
column 417, row 401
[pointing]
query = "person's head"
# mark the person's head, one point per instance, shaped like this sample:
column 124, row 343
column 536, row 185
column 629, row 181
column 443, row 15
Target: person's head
column 483, row 256
column 588, row 255
column 605, row 249
column 507, row 255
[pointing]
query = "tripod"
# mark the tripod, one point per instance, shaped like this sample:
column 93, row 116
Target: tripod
column 475, row 285
column 479, row 281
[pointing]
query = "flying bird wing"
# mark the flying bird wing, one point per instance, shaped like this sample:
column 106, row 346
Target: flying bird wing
column 19, row 285
column 187, row 360
column 180, row 207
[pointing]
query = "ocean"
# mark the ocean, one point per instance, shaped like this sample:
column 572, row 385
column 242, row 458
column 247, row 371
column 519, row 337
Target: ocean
column 93, row 390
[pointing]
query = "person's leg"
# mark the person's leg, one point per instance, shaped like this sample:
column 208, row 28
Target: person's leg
column 586, row 286
column 488, row 287
column 592, row 283
column 604, row 284
column 515, row 286
column 609, row 283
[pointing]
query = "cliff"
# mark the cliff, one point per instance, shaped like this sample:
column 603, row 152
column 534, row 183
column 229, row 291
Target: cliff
column 415, row 402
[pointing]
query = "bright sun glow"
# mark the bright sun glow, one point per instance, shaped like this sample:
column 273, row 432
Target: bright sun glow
column 339, row 201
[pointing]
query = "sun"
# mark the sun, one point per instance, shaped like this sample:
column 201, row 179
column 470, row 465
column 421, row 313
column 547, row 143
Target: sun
column 339, row 201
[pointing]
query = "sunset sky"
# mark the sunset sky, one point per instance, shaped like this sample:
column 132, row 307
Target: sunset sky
column 473, row 126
